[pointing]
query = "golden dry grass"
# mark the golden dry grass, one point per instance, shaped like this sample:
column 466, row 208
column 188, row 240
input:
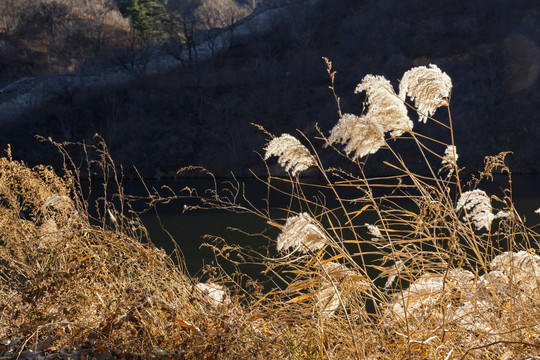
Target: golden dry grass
column 71, row 284
column 400, row 268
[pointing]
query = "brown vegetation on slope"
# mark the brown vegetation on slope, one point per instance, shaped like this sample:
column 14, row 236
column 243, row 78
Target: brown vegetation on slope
column 52, row 36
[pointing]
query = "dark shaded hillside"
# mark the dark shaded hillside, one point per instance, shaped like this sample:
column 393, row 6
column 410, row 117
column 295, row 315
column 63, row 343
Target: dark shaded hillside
column 200, row 113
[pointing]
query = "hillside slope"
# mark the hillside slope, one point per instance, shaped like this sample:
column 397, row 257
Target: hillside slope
column 200, row 113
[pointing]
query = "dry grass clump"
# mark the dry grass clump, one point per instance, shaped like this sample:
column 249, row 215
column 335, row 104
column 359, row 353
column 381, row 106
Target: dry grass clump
column 72, row 288
column 414, row 265
column 418, row 264
column 67, row 281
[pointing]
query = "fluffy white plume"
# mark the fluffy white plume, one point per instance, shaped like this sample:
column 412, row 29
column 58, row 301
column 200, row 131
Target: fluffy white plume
column 292, row 155
column 384, row 106
column 450, row 155
column 302, row 232
column 360, row 135
column 423, row 294
column 216, row 294
column 478, row 207
column 327, row 299
column 428, row 87
column 373, row 230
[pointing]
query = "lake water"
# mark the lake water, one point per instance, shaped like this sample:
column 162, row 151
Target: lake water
column 188, row 228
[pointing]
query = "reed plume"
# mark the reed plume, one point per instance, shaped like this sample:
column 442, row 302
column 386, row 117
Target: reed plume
column 384, row 106
column 327, row 299
column 424, row 294
column 216, row 294
column 303, row 233
column 450, row 156
column 374, row 230
column 428, row 87
column 292, row 155
column 521, row 268
column 478, row 207
column 361, row 135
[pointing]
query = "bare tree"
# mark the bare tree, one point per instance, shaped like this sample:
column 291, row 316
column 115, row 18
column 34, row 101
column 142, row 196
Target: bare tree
column 135, row 55
column 182, row 24
column 212, row 16
column 174, row 45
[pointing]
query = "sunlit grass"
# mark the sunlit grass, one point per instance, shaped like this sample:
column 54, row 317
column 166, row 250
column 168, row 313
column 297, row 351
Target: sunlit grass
column 419, row 264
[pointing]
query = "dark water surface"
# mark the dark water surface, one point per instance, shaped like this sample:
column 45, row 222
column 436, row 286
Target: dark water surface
column 169, row 223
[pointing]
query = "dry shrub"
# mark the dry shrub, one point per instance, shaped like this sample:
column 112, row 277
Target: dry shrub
column 65, row 279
